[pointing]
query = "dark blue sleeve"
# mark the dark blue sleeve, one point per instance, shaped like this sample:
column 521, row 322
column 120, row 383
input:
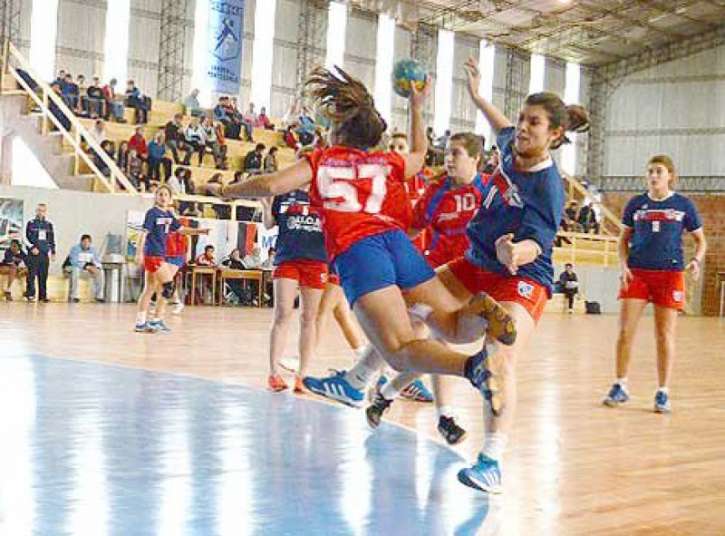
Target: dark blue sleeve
column 276, row 204
column 628, row 215
column 692, row 217
column 31, row 234
column 504, row 138
column 149, row 221
column 542, row 214
column 175, row 223
column 7, row 257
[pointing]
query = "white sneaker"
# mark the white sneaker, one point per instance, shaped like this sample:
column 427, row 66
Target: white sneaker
column 178, row 307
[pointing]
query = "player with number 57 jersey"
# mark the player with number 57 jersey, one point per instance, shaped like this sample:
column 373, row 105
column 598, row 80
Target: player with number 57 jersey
column 360, row 194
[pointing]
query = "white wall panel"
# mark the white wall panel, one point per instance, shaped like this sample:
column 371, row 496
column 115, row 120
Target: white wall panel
column 79, row 45
column 463, row 111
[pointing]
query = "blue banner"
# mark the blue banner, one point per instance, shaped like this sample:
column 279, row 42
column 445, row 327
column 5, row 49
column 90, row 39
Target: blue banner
column 225, row 37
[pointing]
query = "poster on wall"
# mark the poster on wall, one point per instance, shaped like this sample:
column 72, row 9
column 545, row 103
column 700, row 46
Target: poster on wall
column 225, row 35
column 11, row 222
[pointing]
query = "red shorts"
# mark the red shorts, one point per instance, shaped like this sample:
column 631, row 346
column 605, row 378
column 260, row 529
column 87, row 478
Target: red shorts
column 152, row 264
column 527, row 293
column 661, row 287
column 333, row 279
column 312, row 274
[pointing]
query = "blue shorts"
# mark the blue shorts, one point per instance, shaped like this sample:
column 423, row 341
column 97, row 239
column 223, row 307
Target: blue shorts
column 176, row 261
column 379, row 261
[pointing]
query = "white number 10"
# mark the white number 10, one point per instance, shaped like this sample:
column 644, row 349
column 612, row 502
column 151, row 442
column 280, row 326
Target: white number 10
column 341, row 194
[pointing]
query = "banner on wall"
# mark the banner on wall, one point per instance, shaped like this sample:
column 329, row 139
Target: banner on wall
column 11, row 222
column 225, row 36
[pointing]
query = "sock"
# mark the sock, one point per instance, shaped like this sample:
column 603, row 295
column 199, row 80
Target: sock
column 360, row 352
column 365, row 370
column 494, row 445
column 663, row 388
column 622, row 382
column 445, row 411
column 141, row 317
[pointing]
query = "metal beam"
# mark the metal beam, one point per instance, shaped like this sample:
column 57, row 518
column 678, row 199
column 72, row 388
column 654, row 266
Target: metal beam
column 10, row 20
column 172, row 46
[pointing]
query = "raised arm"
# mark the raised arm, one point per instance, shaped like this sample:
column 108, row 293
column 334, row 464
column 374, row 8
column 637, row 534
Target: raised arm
column 415, row 159
column 493, row 115
column 281, row 182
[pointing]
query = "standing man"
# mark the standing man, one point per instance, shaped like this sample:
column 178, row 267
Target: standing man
column 41, row 250
column 84, row 258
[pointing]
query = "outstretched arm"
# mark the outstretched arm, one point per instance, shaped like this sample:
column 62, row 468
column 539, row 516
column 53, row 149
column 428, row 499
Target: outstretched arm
column 493, row 115
column 415, row 159
column 281, row 182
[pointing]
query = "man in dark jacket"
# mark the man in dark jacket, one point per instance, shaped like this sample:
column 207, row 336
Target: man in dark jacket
column 253, row 160
column 41, row 239
column 569, row 284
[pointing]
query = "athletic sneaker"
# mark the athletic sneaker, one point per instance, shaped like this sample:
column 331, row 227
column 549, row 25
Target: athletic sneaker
column 335, row 387
column 160, row 326
column 476, row 370
column 662, row 402
column 144, row 327
column 450, row 431
column 484, row 475
column 500, row 324
column 177, row 308
column 374, row 412
column 299, row 386
column 276, row 383
column 617, row 395
column 417, row 391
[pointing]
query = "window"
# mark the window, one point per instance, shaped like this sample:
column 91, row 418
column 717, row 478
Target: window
column 444, row 81
column 384, row 64
column 262, row 53
column 486, row 61
column 43, row 30
column 115, row 49
column 336, row 27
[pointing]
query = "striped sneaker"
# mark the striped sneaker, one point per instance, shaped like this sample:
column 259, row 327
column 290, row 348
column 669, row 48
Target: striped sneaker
column 336, row 387
column 143, row 327
column 417, row 391
column 662, row 402
column 159, row 326
column 484, row 475
column 617, row 395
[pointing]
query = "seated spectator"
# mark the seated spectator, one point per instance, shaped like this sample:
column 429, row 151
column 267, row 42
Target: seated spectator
column 290, row 139
column 269, row 263
column 192, row 105
column 234, row 261
column 114, row 102
column 122, row 156
column 98, row 132
column 224, row 114
column 250, row 116
column 233, row 110
column 157, row 158
column 175, row 141
column 212, row 144
column 253, row 160
column 270, row 161
column 109, row 148
column 176, row 182
column 192, row 210
column 71, row 93
column 138, row 143
column 83, row 259
column 571, row 216
column 263, row 120
column 207, row 258
column 238, row 288
column 15, row 262
column 222, row 141
column 55, row 111
column 569, row 284
column 442, row 142
column 195, row 137
column 253, row 261
column 306, row 127
column 136, row 171
column 493, row 161
column 188, row 184
column 138, row 101
column 60, row 79
column 588, row 219
column 96, row 101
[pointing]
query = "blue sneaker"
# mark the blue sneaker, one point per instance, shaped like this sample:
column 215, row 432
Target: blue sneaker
column 484, row 475
column 417, row 391
column 476, row 370
column 143, row 327
column 662, row 402
column 617, row 395
column 337, row 388
column 159, row 325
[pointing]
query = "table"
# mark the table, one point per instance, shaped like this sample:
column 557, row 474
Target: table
column 261, row 276
column 202, row 271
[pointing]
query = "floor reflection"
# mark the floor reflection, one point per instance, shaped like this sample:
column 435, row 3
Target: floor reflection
column 96, row 449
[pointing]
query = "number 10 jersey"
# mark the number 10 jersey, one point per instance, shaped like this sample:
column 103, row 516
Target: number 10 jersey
column 358, row 194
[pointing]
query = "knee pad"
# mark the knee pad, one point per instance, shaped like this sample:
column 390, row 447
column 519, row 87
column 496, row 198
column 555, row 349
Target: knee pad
column 168, row 289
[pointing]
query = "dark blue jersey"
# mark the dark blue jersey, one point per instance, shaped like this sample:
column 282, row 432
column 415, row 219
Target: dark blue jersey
column 528, row 204
column 41, row 235
column 300, row 229
column 14, row 258
column 657, row 227
column 158, row 224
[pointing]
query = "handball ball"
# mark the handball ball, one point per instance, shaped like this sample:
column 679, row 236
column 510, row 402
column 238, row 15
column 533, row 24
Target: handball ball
column 405, row 73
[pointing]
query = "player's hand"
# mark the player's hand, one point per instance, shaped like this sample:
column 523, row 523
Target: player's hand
column 473, row 75
column 418, row 96
column 694, row 268
column 506, row 253
column 626, row 277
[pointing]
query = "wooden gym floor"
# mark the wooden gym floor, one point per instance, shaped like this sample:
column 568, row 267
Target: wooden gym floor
column 574, row 466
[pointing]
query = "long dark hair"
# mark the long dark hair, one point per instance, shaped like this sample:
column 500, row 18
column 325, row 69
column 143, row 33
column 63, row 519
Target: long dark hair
column 572, row 117
column 348, row 105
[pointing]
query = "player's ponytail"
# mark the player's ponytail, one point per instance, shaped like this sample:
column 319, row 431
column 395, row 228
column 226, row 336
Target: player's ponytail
column 346, row 102
column 572, row 118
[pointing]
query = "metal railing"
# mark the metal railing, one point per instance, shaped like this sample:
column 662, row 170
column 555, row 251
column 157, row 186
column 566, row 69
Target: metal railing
column 581, row 248
column 610, row 224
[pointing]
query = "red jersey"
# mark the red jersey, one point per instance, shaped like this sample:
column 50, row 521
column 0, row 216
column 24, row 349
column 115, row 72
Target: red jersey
column 446, row 209
column 176, row 244
column 359, row 194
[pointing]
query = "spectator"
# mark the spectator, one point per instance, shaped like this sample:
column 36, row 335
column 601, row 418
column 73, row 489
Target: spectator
column 306, row 127
column 138, row 101
column 57, row 112
column 138, row 143
column 234, row 261
column 15, row 262
column 96, row 102
column 109, row 148
column 187, row 183
column 98, row 132
column 493, row 161
column 211, row 141
column 83, row 259
column 195, row 137
column 71, row 93
column 570, row 217
column 60, row 79
column 114, row 102
column 41, row 237
column 270, row 161
column 175, row 141
column 569, row 285
column 136, row 171
column 253, row 261
column 122, row 156
column 158, row 159
column 263, row 120
column 176, row 182
column 251, row 116
column 206, row 259
column 253, row 160
column 239, row 176
column 222, row 141
column 192, row 211
column 237, row 116
column 269, row 263
column 588, row 218
column 290, row 139
column 289, row 119
column 224, row 114
column 191, row 103
column 442, row 142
